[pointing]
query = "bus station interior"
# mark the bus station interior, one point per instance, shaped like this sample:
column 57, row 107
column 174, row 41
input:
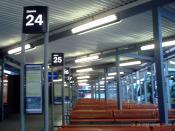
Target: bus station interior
column 124, row 64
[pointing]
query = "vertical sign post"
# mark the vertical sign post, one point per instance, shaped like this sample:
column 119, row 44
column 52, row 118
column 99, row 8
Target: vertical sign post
column 58, row 61
column 67, row 79
column 34, row 21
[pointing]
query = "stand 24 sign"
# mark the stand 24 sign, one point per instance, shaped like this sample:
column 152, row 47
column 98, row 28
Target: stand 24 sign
column 35, row 19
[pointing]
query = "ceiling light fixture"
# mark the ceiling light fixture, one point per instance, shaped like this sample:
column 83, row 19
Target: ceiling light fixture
column 87, row 59
column 58, row 80
column 83, row 77
column 172, row 62
column 84, row 70
column 152, row 46
column 95, row 24
column 27, row 50
column 83, row 84
column 108, row 78
column 101, row 27
column 18, row 49
column 114, row 73
column 131, row 63
column 79, row 81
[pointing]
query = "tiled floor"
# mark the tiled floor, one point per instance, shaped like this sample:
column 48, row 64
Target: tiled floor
column 33, row 122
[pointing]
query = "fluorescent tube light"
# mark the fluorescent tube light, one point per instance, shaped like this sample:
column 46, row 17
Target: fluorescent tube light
column 164, row 44
column 83, row 77
column 131, row 63
column 172, row 62
column 101, row 27
column 58, row 80
column 27, row 50
column 149, row 73
column 5, row 81
column 7, row 72
column 83, row 84
column 84, row 70
column 147, row 47
column 108, row 78
column 87, row 59
column 168, row 43
column 102, row 82
column 18, row 49
column 114, row 73
column 95, row 23
column 79, row 81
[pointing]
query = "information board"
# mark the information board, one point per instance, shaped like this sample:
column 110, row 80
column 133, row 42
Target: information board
column 57, row 93
column 34, row 97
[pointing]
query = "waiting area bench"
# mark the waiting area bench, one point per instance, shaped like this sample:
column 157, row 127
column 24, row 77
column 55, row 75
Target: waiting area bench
column 137, row 115
column 91, row 116
column 116, row 128
column 106, row 128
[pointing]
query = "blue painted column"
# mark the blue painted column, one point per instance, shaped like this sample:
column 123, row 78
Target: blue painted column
column 22, row 79
column 119, row 89
column 167, row 85
column 105, row 82
column 95, row 91
column 145, row 86
column 162, row 96
column 152, row 82
column 92, row 91
column 132, row 87
column 1, row 90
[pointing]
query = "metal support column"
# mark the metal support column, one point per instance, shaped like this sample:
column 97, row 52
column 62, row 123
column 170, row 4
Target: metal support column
column 52, row 100
column 22, row 78
column 95, row 91
column 152, row 82
column 46, row 90
column 92, row 91
column 99, row 96
column 138, row 84
column 124, row 89
column 162, row 96
column 132, row 87
column 62, row 92
column 1, row 90
column 105, row 82
column 145, row 87
column 69, row 95
column 167, row 85
column 119, row 89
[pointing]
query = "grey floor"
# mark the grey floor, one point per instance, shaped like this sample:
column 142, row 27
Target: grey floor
column 33, row 122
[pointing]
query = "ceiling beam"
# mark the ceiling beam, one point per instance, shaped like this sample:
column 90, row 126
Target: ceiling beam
column 139, row 56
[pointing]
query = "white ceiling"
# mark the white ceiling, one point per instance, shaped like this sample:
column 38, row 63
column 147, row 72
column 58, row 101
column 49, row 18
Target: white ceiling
column 135, row 29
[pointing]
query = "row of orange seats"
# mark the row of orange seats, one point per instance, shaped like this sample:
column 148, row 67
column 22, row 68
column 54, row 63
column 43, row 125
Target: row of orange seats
column 118, row 128
column 93, row 104
column 138, row 115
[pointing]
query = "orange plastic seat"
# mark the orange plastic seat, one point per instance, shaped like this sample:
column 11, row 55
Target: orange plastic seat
column 107, row 128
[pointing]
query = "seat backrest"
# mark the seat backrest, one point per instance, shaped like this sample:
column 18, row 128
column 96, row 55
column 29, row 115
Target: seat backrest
column 88, row 114
column 171, row 113
column 111, row 128
column 135, row 114
column 95, row 107
column 163, row 128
